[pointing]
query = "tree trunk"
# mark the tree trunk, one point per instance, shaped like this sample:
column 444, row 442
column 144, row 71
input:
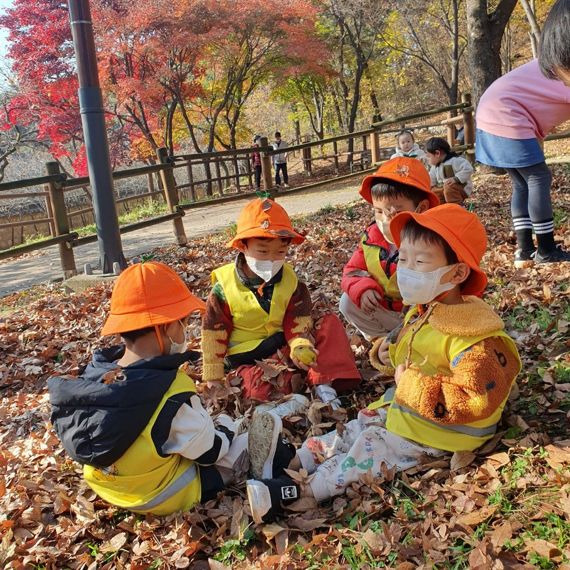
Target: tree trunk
column 534, row 27
column 485, row 34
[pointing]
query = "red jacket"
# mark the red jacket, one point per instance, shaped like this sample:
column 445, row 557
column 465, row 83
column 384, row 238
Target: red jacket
column 355, row 276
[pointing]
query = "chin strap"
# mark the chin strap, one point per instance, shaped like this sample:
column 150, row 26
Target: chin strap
column 159, row 339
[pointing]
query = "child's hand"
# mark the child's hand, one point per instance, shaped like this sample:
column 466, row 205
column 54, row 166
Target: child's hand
column 304, row 357
column 370, row 301
column 399, row 371
column 384, row 353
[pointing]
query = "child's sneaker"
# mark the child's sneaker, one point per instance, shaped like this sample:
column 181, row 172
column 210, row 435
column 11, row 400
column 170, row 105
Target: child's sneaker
column 291, row 405
column 266, row 497
column 269, row 453
column 557, row 255
column 327, row 394
column 524, row 258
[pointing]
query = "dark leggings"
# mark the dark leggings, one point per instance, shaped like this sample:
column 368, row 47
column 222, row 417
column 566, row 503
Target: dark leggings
column 531, row 193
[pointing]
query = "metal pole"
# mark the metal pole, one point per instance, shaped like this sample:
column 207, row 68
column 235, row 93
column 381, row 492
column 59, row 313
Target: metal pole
column 95, row 136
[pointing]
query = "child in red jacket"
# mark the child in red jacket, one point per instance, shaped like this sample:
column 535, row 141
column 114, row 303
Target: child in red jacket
column 371, row 300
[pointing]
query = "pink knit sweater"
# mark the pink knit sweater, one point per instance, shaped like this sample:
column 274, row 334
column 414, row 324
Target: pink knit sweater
column 523, row 104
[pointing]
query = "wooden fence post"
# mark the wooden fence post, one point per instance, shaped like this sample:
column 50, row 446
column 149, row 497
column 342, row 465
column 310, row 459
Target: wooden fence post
column 265, row 164
column 335, row 157
column 450, row 130
column 236, row 170
column 307, row 161
column 219, row 176
column 171, row 194
column 191, row 180
column 468, row 126
column 60, row 220
column 375, row 146
column 150, row 186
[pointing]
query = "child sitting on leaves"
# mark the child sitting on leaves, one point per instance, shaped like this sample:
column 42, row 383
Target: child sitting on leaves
column 133, row 417
column 371, row 300
column 259, row 309
column 450, row 174
column 408, row 147
column 454, row 368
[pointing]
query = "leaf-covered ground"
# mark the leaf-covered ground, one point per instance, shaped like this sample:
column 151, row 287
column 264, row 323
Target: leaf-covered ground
column 507, row 506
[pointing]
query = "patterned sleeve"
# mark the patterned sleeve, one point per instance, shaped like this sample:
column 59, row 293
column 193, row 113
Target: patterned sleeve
column 217, row 327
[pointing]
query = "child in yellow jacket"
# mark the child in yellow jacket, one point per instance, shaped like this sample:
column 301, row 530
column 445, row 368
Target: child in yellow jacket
column 259, row 309
column 454, row 368
column 133, row 417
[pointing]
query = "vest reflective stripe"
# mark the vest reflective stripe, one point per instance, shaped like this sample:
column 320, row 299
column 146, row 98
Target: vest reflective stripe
column 475, row 432
column 177, row 485
column 433, row 353
column 142, row 479
column 374, row 267
column 252, row 324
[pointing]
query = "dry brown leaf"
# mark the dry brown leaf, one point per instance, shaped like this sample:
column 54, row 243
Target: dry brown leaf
column 544, row 548
column 115, row 543
column 501, row 534
column 461, row 459
column 476, row 517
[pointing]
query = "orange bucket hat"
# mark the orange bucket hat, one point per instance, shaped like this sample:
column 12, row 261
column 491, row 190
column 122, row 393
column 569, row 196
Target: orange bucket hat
column 146, row 295
column 463, row 232
column 264, row 218
column 402, row 169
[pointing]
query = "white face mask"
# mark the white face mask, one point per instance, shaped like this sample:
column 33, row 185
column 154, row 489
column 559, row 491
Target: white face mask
column 266, row 269
column 179, row 347
column 419, row 288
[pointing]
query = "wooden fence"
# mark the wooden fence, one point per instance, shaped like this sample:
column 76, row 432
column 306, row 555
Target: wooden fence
column 231, row 168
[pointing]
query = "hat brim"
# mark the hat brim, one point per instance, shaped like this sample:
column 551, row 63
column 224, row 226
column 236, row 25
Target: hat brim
column 477, row 280
column 285, row 233
column 366, row 188
column 117, row 324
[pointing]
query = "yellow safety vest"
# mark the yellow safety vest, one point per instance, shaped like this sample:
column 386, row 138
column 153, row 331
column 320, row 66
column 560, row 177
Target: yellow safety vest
column 374, row 267
column 432, row 353
column 143, row 480
column 252, row 324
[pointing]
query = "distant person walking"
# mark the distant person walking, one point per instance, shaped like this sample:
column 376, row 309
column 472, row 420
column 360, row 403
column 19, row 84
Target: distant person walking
column 280, row 160
column 256, row 162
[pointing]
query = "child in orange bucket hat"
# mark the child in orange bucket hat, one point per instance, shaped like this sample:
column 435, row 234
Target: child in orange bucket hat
column 258, row 308
column 133, row 417
column 454, row 368
column 371, row 300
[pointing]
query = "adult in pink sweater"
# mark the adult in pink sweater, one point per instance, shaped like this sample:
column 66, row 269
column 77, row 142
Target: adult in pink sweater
column 514, row 115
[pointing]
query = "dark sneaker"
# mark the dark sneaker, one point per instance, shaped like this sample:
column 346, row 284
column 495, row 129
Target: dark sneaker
column 557, row 255
column 269, row 452
column 524, row 258
column 266, row 498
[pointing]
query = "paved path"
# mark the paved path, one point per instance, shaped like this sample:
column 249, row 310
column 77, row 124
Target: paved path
column 43, row 265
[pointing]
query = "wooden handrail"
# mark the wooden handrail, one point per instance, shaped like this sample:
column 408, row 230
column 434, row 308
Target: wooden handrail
column 21, row 249
column 27, row 182
column 393, row 120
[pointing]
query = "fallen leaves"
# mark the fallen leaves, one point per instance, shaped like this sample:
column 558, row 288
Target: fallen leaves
column 499, row 511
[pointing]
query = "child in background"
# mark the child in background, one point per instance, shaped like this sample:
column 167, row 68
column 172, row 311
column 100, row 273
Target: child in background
column 408, row 147
column 454, row 365
column 371, row 300
column 258, row 309
column 513, row 116
column 133, row 418
column 450, row 174
column 256, row 162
